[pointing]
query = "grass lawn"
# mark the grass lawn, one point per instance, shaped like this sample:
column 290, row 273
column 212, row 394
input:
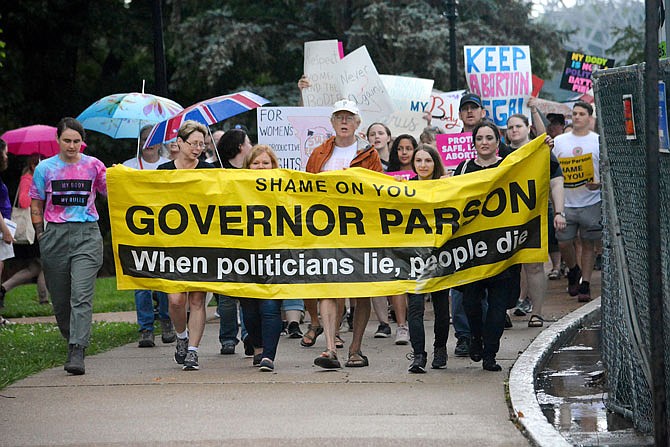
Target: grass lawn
column 30, row 348
column 23, row 302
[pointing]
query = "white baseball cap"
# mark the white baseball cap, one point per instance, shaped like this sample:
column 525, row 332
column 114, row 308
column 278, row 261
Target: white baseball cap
column 347, row 106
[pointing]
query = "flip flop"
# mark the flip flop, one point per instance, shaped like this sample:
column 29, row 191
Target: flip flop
column 535, row 321
column 357, row 360
column 311, row 335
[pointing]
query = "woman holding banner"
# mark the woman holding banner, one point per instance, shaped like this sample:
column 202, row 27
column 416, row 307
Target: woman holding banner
column 501, row 290
column 534, row 288
column 427, row 164
column 191, row 142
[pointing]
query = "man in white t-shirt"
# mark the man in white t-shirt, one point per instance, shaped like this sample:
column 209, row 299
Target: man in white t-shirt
column 342, row 151
column 582, row 199
column 150, row 159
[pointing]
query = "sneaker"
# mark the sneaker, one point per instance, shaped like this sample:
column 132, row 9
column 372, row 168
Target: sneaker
column 418, row 365
column 76, row 364
column 508, row 321
column 146, row 339
column 584, row 292
column 168, row 335
column 227, row 348
column 191, row 361
column 248, row 346
column 181, row 350
column 462, row 347
column 489, row 364
column 267, row 365
column 574, row 275
column 294, row 330
column 476, row 349
column 523, row 307
column 439, row 358
column 383, row 331
column 402, row 335
column 284, row 328
column 256, row 361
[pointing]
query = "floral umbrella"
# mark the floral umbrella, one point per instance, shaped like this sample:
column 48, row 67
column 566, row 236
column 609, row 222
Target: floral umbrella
column 122, row 115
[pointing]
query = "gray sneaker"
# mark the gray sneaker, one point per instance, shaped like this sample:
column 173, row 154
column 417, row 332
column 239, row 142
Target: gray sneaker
column 168, row 335
column 76, row 364
column 439, row 358
column 146, row 339
column 191, row 361
column 181, row 350
column 402, row 335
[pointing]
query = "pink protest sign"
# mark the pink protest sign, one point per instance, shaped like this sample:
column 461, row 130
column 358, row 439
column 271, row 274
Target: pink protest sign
column 454, row 148
column 401, row 175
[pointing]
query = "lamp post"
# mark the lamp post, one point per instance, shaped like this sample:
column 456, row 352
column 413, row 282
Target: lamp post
column 451, row 14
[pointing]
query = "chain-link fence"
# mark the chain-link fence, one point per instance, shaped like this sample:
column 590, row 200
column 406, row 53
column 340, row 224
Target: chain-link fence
column 625, row 295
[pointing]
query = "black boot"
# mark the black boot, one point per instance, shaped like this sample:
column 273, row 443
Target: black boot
column 69, row 356
column 490, row 364
column 76, row 364
column 476, row 349
column 418, row 365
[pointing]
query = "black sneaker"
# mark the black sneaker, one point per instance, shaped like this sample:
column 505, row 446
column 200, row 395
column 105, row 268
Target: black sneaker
column 146, row 339
column 257, row 359
column 574, row 276
column 181, row 350
column 476, row 349
column 462, row 347
column 489, row 364
column 418, row 365
column 584, row 292
column 76, row 364
column 248, row 347
column 267, row 365
column 383, row 331
column 508, row 321
column 191, row 361
column 168, row 335
column 228, row 348
column 439, row 358
column 294, row 330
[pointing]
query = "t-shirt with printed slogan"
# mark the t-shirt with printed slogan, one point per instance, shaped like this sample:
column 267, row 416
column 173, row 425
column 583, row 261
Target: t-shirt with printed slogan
column 69, row 189
column 341, row 158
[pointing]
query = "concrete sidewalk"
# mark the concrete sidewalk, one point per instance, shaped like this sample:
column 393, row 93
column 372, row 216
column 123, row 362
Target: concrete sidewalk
column 140, row 397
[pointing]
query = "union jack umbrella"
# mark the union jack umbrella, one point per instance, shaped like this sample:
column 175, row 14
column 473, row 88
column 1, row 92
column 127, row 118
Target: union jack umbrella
column 207, row 112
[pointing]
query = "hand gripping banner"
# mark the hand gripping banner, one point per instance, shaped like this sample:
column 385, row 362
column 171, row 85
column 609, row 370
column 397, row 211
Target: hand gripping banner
column 353, row 233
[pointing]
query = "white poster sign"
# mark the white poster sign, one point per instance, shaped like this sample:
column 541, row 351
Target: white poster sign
column 408, row 95
column 321, row 58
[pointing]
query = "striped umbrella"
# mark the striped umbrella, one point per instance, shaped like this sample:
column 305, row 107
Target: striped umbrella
column 208, row 112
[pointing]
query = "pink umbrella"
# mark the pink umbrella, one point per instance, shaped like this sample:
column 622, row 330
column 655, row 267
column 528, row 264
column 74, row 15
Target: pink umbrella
column 207, row 112
column 36, row 139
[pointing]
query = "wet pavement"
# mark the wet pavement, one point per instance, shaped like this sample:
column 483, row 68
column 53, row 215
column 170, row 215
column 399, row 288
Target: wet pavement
column 571, row 391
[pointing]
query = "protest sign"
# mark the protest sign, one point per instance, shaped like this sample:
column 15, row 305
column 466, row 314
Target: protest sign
column 577, row 171
column 281, row 234
column 578, row 69
column 443, row 107
column 401, row 175
column 293, row 132
column 502, row 77
column 359, row 82
column 321, row 58
column 407, row 95
column 455, row 148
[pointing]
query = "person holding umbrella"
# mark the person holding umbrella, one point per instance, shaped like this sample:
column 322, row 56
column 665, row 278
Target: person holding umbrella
column 63, row 194
column 150, row 159
column 6, row 211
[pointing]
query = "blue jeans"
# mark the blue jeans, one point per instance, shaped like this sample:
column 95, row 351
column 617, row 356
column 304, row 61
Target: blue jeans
column 458, row 317
column 144, row 304
column 417, row 334
column 226, row 307
column 293, row 305
column 262, row 319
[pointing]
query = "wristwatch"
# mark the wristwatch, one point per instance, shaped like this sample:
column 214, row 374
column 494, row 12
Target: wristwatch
column 562, row 214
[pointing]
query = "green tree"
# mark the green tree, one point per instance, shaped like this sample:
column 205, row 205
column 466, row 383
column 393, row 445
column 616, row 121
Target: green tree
column 630, row 40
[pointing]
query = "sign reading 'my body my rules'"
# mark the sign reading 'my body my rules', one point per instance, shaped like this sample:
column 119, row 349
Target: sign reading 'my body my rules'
column 288, row 234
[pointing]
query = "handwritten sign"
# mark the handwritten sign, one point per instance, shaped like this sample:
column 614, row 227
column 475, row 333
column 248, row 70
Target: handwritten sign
column 455, row 148
column 293, row 132
column 407, row 94
column 321, row 58
column 578, row 69
column 443, row 107
column 502, row 77
column 577, row 171
column 359, row 81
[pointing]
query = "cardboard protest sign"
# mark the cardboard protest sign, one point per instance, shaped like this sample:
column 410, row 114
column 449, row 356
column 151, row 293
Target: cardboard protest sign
column 443, row 107
column 293, row 132
column 578, row 69
column 502, row 77
column 455, row 148
column 321, row 58
column 407, row 95
column 359, row 82
column 577, row 171
column 280, row 234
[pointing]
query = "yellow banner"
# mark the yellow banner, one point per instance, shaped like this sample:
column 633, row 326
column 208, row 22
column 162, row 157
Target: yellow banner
column 577, row 171
column 352, row 233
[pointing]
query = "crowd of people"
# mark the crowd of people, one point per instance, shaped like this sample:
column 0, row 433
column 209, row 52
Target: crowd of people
column 67, row 253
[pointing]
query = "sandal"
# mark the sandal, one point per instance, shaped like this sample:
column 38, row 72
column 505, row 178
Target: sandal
column 357, row 360
column 312, row 333
column 535, row 321
column 339, row 343
column 554, row 274
column 328, row 360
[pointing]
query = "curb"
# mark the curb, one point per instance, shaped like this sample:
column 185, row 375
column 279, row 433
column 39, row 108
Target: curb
column 522, row 376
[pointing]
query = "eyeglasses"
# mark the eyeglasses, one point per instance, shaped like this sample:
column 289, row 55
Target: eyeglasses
column 199, row 144
column 344, row 118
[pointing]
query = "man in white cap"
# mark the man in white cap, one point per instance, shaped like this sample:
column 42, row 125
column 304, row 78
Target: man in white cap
column 342, row 151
